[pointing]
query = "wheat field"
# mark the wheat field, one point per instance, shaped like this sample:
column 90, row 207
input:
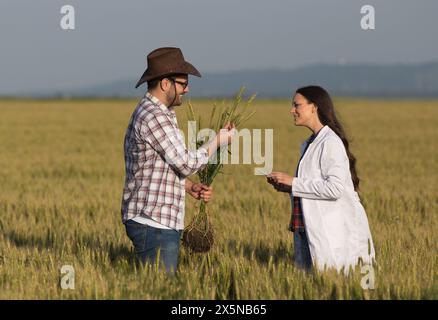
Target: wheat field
column 62, row 174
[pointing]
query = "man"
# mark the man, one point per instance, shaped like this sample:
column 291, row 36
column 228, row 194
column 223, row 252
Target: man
column 157, row 161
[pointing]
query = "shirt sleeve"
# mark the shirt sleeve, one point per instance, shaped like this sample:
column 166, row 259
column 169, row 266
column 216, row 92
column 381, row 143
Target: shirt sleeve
column 166, row 139
column 335, row 170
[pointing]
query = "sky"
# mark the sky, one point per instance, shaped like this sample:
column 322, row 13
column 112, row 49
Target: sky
column 112, row 38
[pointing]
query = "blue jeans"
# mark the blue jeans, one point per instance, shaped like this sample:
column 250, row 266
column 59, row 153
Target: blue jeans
column 303, row 259
column 148, row 241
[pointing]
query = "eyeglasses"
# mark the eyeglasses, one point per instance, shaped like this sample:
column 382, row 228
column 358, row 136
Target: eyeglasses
column 183, row 84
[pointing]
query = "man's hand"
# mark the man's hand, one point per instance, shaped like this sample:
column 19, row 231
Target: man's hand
column 222, row 139
column 281, row 182
column 225, row 134
column 200, row 191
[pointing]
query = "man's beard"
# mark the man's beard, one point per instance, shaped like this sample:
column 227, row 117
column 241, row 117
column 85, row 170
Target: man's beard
column 174, row 99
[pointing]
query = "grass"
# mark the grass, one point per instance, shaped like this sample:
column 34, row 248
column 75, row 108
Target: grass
column 62, row 174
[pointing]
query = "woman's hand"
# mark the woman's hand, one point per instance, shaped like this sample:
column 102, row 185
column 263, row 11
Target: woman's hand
column 281, row 181
column 201, row 191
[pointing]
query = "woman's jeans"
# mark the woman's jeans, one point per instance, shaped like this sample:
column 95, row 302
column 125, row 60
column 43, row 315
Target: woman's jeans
column 303, row 259
column 149, row 241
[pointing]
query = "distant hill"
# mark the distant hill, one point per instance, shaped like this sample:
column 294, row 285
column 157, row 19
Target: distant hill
column 342, row 80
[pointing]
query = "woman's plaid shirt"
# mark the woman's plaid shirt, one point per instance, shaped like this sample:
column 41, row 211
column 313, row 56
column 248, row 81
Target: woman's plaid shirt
column 156, row 164
column 297, row 219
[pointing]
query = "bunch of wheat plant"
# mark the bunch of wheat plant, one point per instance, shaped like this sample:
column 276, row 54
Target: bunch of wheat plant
column 198, row 236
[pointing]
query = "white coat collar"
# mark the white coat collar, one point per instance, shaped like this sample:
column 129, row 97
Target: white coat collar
column 321, row 134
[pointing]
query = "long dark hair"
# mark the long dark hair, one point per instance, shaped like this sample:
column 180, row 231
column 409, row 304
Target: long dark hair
column 327, row 116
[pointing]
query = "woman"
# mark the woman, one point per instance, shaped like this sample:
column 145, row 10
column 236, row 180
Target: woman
column 329, row 223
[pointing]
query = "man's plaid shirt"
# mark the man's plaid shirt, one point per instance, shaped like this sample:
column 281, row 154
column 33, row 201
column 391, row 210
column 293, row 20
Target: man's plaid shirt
column 157, row 163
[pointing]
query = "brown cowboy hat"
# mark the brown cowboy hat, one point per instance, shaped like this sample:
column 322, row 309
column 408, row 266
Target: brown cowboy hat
column 166, row 61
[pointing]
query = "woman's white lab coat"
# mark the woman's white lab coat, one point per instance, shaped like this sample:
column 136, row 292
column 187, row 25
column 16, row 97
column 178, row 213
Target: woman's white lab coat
column 335, row 221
